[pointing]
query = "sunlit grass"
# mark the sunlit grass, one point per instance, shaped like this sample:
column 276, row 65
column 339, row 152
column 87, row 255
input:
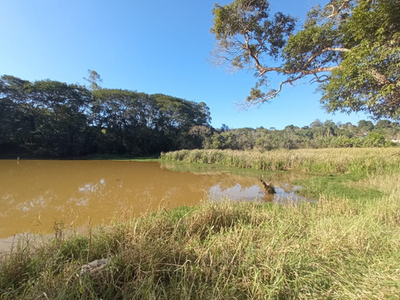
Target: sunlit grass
column 321, row 161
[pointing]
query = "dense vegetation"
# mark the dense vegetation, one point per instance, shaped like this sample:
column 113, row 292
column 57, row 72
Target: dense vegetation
column 349, row 48
column 55, row 119
column 318, row 135
column 51, row 118
column 345, row 246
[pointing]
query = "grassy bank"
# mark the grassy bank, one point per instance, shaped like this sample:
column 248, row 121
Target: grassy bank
column 343, row 247
column 320, row 161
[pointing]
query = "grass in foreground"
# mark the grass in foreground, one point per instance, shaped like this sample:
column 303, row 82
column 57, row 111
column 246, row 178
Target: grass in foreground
column 335, row 249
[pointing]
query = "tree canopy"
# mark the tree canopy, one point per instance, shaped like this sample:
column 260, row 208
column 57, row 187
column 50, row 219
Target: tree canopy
column 56, row 119
column 318, row 135
column 52, row 118
column 350, row 48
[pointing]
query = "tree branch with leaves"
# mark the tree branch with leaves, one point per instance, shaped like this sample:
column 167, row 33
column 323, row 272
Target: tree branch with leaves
column 350, row 48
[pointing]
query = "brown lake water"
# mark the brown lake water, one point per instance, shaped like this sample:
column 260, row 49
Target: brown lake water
column 37, row 194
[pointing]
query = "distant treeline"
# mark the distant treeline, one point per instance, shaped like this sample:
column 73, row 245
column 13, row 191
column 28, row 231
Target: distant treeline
column 56, row 119
column 318, row 135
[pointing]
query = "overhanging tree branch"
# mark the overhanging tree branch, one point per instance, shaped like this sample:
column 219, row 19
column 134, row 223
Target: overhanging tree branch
column 348, row 48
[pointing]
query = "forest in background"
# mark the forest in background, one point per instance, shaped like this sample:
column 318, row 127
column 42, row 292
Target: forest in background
column 317, row 135
column 54, row 119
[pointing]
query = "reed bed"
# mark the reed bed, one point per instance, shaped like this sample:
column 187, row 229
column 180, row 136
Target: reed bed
column 321, row 161
column 334, row 249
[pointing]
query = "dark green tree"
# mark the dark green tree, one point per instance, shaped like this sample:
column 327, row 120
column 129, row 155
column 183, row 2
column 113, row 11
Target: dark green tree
column 365, row 126
column 175, row 119
column 48, row 117
column 197, row 136
column 7, row 125
column 53, row 118
column 137, row 123
column 383, row 124
column 124, row 122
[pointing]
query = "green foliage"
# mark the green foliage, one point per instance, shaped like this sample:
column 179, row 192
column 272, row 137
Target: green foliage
column 338, row 186
column 350, row 47
column 251, row 20
column 45, row 117
column 318, row 135
column 51, row 118
column 374, row 140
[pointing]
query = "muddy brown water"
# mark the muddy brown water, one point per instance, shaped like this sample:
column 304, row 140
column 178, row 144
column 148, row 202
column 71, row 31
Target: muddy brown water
column 37, row 194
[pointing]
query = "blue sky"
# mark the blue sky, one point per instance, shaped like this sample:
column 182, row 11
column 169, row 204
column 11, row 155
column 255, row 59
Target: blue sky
column 152, row 46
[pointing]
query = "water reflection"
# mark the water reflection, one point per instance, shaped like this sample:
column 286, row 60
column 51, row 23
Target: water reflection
column 36, row 194
column 236, row 192
column 255, row 193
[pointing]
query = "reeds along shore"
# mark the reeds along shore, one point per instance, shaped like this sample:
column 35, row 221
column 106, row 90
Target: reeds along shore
column 337, row 248
column 321, row 161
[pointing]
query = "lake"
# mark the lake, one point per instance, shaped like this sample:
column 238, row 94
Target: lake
column 37, row 194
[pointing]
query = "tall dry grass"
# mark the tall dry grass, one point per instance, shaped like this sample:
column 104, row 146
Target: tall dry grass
column 322, row 161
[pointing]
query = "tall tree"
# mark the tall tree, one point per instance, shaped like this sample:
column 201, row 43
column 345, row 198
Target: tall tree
column 351, row 48
column 94, row 79
column 45, row 117
column 65, row 122
column 365, row 126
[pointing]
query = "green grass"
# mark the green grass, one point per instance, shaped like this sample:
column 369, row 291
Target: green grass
column 345, row 246
column 337, row 186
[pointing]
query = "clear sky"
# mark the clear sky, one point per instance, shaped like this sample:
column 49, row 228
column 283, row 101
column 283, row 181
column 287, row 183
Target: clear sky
column 151, row 46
